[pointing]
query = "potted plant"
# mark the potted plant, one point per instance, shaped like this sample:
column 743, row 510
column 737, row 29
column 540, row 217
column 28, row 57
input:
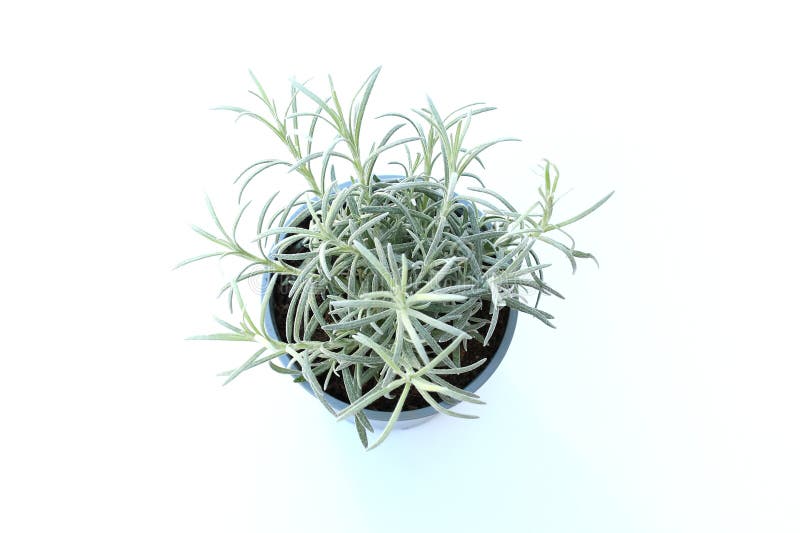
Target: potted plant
column 390, row 298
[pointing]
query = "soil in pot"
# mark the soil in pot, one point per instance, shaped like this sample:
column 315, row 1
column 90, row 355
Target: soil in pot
column 474, row 352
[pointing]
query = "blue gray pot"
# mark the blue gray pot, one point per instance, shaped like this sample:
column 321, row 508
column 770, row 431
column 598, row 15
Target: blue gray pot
column 407, row 418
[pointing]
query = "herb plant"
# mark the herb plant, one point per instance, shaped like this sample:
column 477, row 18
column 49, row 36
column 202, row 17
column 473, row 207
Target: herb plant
column 387, row 277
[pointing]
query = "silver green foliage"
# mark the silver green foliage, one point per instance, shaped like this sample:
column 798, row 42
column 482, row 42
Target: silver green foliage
column 391, row 274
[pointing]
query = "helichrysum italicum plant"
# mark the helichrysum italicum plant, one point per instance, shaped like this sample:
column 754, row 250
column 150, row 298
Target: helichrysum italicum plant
column 388, row 277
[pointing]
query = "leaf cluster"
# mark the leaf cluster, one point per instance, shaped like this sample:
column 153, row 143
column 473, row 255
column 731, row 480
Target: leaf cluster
column 386, row 278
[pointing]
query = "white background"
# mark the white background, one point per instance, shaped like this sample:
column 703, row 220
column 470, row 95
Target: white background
column 666, row 400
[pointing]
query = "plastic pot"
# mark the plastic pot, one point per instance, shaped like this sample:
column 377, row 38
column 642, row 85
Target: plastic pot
column 379, row 418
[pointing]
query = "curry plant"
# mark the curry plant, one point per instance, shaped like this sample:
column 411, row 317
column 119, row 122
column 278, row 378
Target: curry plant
column 388, row 277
